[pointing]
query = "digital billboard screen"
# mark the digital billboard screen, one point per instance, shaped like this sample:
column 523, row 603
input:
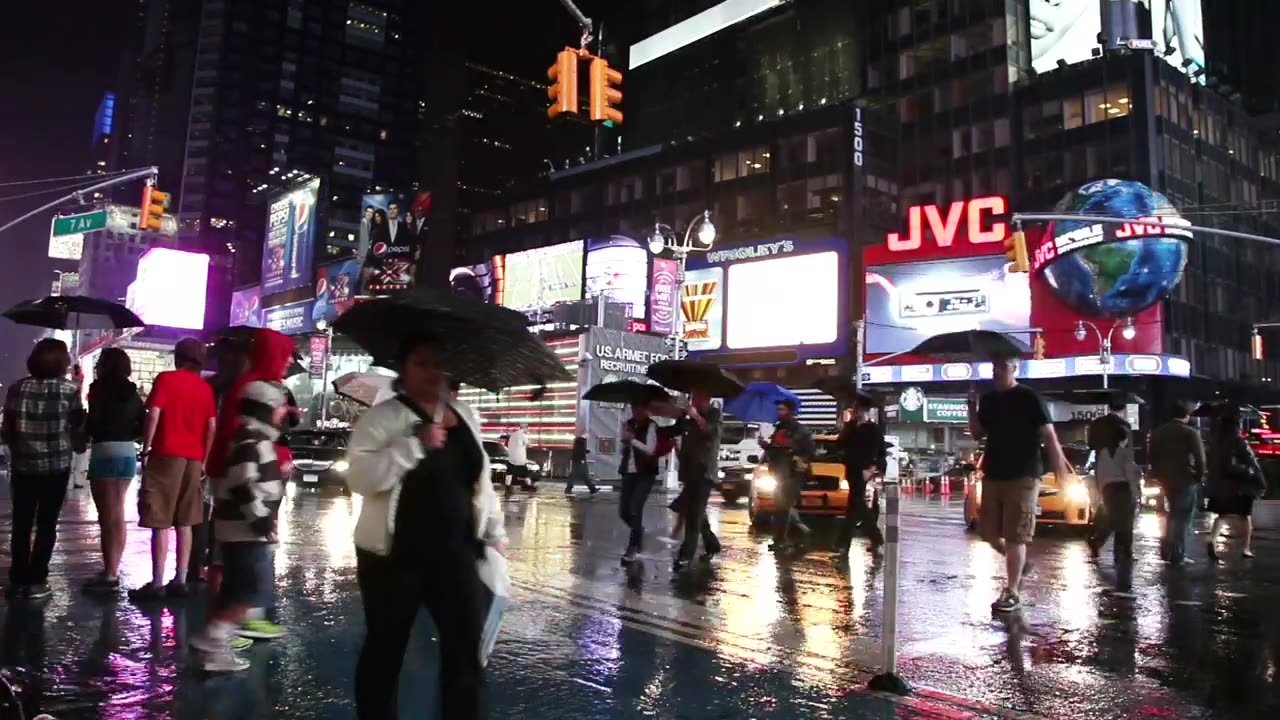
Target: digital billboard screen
column 908, row 302
column 475, row 281
column 246, row 307
column 542, row 277
column 809, row 315
column 290, row 319
column 1063, row 30
column 290, row 239
column 1178, row 28
column 662, row 296
column 702, row 308
column 170, row 288
column 618, row 269
column 392, row 229
column 335, row 289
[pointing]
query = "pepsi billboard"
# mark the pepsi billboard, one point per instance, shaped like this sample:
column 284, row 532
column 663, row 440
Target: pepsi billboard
column 393, row 228
column 290, row 240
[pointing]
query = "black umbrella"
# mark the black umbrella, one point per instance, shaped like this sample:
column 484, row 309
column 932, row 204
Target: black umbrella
column 1101, row 397
column 483, row 345
column 1221, row 409
column 845, row 390
column 971, row 345
column 73, row 312
column 690, row 375
column 627, row 392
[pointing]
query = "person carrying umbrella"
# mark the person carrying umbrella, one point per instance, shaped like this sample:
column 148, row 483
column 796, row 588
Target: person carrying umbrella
column 862, row 444
column 639, row 469
column 789, row 450
column 1235, row 481
column 698, row 463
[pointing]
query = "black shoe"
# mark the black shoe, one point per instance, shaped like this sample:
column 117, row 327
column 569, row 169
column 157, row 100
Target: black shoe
column 1095, row 550
column 1213, row 553
column 38, row 591
column 679, row 565
column 17, row 592
column 147, row 593
column 177, row 589
column 778, row 547
column 101, row 585
column 711, row 554
column 594, row 489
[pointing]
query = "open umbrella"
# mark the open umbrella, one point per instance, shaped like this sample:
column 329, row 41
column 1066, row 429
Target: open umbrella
column 971, row 345
column 73, row 312
column 627, row 392
column 758, row 402
column 484, row 345
column 690, row 375
column 1225, row 408
column 1101, row 397
column 368, row 389
column 845, row 390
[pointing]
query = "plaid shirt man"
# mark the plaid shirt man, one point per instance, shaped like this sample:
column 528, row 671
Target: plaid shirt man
column 39, row 416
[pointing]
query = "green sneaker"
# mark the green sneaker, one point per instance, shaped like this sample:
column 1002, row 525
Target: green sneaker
column 260, row 630
column 236, row 642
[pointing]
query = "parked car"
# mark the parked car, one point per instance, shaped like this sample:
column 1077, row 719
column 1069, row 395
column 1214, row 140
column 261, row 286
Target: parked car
column 1070, row 505
column 319, row 458
column 825, row 491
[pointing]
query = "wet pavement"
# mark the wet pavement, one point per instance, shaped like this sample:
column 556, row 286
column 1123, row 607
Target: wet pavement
column 750, row 636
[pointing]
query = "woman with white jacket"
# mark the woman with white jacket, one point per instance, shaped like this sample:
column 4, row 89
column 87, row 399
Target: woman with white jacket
column 429, row 512
column 1119, row 483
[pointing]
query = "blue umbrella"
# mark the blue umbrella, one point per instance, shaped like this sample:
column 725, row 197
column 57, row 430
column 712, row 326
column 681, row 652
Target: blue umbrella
column 759, row 402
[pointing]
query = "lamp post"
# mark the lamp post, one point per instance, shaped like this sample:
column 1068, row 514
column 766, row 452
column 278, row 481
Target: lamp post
column 1128, row 331
column 664, row 237
column 323, row 326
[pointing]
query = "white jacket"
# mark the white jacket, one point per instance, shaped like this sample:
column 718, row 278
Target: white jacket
column 383, row 448
column 1117, row 467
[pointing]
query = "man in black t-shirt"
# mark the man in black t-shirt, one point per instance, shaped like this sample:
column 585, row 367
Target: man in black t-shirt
column 1015, row 423
column 862, row 443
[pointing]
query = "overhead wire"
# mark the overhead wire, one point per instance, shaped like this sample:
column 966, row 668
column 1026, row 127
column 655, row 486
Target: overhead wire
column 58, row 188
column 86, row 178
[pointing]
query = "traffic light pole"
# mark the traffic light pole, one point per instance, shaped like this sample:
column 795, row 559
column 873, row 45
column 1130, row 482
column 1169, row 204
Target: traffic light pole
column 79, row 194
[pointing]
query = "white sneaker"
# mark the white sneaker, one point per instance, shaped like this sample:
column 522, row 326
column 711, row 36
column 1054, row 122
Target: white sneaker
column 206, row 643
column 224, row 661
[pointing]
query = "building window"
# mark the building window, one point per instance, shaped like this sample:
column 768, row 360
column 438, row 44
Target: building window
column 1072, row 113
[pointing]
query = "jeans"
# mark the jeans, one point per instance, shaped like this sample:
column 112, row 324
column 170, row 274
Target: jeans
column 1120, row 508
column 857, row 515
column 695, row 520
column 635, row 491
column 450, row 589
column 37, row 502
column 1177, row 528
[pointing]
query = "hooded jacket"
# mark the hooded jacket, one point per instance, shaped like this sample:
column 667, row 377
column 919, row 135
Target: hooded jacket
column 116, row 412
column 269, row 357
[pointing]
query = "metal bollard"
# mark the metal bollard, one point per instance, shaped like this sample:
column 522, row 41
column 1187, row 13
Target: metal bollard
column 888, row 680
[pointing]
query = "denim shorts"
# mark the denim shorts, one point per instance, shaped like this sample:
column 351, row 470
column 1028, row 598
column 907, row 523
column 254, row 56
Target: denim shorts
column 113, row 460
column 246, row 573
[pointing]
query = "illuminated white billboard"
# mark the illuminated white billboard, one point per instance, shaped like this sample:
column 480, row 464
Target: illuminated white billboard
column 785, row 301
column 1178, row 27
column 170, row 288
column 705, row 23
column 1063, row 30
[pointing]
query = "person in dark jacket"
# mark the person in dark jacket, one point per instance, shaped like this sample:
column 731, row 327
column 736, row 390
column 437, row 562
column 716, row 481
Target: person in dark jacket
column 579, row 471
column 863, row 447
column 639, row 470
column 1178, row 462
column 116, row 414
column 1235, row 481
column 789, row 451
column 698, row 462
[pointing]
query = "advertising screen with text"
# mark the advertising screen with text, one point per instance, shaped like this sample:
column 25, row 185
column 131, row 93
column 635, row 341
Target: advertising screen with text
column 785, row 301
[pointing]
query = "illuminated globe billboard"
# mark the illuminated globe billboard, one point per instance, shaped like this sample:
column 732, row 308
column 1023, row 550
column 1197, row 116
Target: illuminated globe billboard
column 1113, row 270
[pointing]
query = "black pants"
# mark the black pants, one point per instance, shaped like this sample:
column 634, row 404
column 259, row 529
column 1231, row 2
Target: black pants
column 37, row 502
column 579, row 474
column 453, row 594
column 857, row 515
column 698, row 492
column 1119, row 502
column 201, row 546
column 635, row 491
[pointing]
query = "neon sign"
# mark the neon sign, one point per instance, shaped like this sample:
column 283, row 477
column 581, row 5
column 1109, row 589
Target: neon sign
column 944, row 229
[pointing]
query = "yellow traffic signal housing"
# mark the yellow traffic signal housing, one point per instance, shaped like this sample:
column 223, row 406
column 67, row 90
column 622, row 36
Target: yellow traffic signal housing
column 563, row 92
column 154, row 203
column 1015, row 248
column 1037, row 347
column 603, row 93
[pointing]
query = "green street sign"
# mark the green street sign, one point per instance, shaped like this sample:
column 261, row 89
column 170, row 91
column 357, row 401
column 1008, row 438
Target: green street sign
column 81, row 223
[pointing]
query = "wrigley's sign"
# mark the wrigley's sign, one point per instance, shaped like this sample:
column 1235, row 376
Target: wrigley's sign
column 751, row 252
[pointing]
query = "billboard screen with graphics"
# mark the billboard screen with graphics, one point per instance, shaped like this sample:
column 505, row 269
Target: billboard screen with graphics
column 246, row 307
column 170, row 289
column 335, row 289
column 290, row 239
column 662, row 296
column 702, row 308
column 290, row 319
column 537, row 279
column 392, row 229
column 908, row 302
column 1063, row 30
column 618, row 269
column 475, row 281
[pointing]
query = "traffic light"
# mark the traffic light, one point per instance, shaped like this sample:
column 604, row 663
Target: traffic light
column 1015, row 248
column 154, row 203
column 1256, row 345
column 1037, row 347
column 563, row 92
column 603, row 93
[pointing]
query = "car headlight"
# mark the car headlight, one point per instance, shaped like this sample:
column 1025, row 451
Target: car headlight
column 844, row 484
column 1077, row 492
column 533, row 467
column 1150, row 490
column 341, row 466
column 721, row 474
column 766, row 483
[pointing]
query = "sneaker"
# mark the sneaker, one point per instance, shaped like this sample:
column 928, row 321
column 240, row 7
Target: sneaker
column 177, row 589
column 206, row 643
column 260, row 630
column 147, row 593
column 779, row 547
column 101, row 585
column 594, row 489
column 1007, row 602
column 224, row 660
column 711, row 554
column 629, row 556
column 1247, row 553
column 679, row 566
column 38, row 591
column 236, row 642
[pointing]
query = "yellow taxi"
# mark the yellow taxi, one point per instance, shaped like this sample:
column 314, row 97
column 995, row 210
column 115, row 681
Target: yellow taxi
column 1070, row 505
column 825, row 490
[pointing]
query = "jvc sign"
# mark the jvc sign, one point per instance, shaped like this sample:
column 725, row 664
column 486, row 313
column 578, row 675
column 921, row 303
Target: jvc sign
column 977, row 216
column 1064, row 243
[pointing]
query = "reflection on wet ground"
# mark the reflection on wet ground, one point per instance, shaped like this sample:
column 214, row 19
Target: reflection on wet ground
column 752, row 635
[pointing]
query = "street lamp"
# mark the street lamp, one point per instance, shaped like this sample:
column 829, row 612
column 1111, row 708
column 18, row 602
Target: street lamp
column 1127, row 331
column 664, row 237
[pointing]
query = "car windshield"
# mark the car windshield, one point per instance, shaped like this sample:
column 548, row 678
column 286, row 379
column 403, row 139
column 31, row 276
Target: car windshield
column 827, row 450
column 495, row 449
column 732, row 433
column 328, row 440
column 1080, row 457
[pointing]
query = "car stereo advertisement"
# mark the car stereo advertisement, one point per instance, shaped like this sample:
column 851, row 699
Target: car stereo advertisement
column 909, row 302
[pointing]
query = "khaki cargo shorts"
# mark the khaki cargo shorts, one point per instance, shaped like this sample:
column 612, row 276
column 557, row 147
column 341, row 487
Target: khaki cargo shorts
column 1008, row 510
column 171, row 495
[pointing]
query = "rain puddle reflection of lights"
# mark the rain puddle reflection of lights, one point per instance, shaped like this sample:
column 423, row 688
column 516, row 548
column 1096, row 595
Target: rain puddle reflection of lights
column 1075, row 592
column 750, row 613
column 984, row 566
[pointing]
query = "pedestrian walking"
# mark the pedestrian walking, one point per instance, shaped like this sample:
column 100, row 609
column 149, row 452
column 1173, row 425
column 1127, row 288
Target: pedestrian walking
column 116, row 417
column 428, row 512
column 788, row 451
column 41, row 412
column 579, row 469
column 518, row 455
column 698, row 463
column 1015, row 423
column 248, row 492
column 865, row 457
column 1178, row 462
column 232, row 361
column 1119, row 485
column 1106, row 430
column 1235, row 481
column 639, row 469
column 176, row 441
